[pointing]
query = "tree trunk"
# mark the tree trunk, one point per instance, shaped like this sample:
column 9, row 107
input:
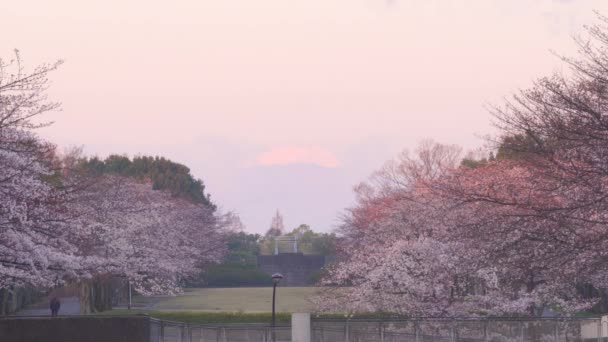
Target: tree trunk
column 84, row 296
column 3, row 302
column 103, row 294
column 95, row 295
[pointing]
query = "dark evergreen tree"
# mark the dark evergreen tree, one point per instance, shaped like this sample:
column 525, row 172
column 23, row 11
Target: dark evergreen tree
column 163, row 173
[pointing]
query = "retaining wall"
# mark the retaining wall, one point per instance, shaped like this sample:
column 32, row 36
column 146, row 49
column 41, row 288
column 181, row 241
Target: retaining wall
column 75, row 329
column 296, row 268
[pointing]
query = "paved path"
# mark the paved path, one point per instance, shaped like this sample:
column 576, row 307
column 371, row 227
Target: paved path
column 69, row 306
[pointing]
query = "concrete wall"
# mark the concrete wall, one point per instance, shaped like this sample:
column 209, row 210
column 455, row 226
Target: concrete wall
column 296, row 268
column 75, row 329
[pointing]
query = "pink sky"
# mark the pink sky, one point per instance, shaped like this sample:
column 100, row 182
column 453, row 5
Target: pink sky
column 314, row 93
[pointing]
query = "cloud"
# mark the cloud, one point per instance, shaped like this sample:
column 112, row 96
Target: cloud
column 287, row 155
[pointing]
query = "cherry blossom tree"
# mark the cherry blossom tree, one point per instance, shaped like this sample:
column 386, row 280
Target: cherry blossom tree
column 517, row 233
column 555, row 135
column 23, row 94
column 461, row 240
column 538, row 258
column 560, row 127
column 33, row 248
column 62, row 223
column 393, row 252
column 148, row 237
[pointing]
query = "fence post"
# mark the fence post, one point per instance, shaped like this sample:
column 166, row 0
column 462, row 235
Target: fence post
column 417, row 331
column 300, row 327
column 453, row 331
column 485, row 330
column 604, row 323
column 346, row 332
column 556, row 331
column 521, row 331
column 162, row 331
column 381, row 327
column 223, row 334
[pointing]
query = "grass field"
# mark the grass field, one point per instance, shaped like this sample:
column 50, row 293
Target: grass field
column 254, row 299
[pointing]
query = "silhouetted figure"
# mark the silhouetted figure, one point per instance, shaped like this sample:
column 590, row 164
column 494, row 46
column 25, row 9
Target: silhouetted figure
column 55, row 304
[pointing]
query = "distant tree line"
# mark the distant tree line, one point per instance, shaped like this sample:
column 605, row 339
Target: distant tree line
column 163, row 173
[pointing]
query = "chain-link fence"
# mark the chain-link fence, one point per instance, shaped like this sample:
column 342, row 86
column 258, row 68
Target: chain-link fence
column 169, row 331
column 451, row 330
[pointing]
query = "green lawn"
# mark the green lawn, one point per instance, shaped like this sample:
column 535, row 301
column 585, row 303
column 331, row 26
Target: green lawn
column 255, row 299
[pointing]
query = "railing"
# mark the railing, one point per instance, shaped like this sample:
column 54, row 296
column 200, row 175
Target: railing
column 142, row 328
column 465, row 330
column 170, row 331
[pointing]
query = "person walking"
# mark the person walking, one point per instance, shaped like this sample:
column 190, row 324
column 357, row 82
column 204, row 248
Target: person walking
column 55, row 304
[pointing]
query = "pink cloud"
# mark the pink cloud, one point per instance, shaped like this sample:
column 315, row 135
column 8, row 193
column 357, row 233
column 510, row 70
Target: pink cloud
column 298, row 155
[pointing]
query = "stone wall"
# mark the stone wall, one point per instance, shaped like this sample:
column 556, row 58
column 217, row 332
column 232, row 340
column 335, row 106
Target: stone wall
column 75, row 329
column 296, row 268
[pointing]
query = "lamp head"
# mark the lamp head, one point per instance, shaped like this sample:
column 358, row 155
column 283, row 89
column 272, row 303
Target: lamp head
column 276, row 278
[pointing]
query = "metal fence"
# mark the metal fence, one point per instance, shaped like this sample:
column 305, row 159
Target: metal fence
column 465, row 330
column 323, row 330
column 169, row 331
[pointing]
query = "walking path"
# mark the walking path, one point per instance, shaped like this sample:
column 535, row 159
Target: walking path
column 69, row 306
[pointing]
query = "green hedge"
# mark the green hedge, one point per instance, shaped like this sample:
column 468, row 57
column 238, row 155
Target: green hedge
column 241, row 317
column 207, row 317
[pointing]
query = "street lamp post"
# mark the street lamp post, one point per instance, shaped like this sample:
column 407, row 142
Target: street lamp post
column 129, row 294
column 276, row 278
